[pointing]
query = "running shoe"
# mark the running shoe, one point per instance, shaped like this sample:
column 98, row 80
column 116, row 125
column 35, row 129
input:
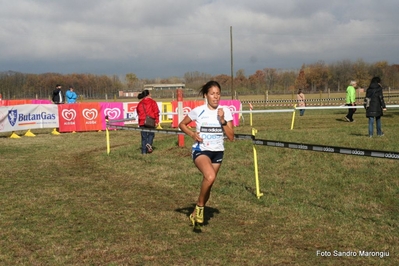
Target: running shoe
column 149, row 147
column 192, row 219
column 199, row 214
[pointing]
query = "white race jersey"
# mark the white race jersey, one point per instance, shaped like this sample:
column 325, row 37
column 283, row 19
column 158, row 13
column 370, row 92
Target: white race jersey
column 209, row 127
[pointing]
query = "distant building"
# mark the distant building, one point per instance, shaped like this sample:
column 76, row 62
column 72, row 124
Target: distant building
column 129, row 94
column 155, row 87
column 158, row 87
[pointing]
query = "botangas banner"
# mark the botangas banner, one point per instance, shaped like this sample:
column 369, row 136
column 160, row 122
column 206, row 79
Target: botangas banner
column 28, row 116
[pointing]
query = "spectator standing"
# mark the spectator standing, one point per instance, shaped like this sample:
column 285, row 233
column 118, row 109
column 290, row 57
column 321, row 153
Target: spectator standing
column 351, row 100
column 71, row 95
column 376, row 106
column 58, row 96
column 147, row 106
column 301, row 101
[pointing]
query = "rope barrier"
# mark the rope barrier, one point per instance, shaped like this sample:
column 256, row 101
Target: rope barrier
column 271, row 143
column 276, row 143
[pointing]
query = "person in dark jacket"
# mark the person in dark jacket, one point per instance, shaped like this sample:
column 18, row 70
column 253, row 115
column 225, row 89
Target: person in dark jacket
column 147, row 106
column 376, row 107
column 58, row 96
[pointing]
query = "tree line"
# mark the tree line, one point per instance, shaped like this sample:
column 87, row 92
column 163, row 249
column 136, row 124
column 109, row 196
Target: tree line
column 315, row 77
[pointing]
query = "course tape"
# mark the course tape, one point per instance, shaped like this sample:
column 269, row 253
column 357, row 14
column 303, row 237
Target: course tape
column 281, row 144
column 328, row 149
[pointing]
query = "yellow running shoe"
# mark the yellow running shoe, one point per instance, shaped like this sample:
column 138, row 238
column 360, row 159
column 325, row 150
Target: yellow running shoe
column 199, row 214
column 192, row 219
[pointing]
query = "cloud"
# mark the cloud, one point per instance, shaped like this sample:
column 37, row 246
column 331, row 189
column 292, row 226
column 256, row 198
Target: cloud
column 171, row 37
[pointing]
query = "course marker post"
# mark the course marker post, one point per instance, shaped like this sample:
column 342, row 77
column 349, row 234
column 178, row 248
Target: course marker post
column 258, row 194
column 293, row 117
column 107, row 135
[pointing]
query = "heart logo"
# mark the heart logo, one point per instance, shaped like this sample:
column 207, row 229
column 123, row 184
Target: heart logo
column 90, row 114
column 232, row 108
column 186, row 110
column 68, row 115
column 112, row 113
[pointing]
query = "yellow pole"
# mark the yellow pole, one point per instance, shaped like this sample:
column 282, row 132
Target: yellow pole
column 258, row 194
column 107, row 137
column 293, row 117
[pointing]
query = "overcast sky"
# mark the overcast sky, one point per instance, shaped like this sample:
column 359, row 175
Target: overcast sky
column 164, row 38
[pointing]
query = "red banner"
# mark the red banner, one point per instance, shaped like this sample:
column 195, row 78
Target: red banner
column 79, row 117
column 187, row 107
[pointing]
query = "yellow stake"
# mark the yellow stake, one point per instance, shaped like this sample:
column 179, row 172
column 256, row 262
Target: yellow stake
column 293, row 117
column 107, row 137
column 258, row 194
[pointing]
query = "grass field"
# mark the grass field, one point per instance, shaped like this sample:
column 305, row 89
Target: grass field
column 64, row 201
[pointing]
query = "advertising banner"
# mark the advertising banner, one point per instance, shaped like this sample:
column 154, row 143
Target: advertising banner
column 131, row 113
column 234, row 106
column 187, row 107
column 129, row 109
column 114, row 111
column 79, row 117
column 28, row 116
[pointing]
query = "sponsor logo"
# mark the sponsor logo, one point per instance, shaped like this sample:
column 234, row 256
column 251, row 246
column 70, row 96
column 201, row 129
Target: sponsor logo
column 232, row 108
column 279, row 144
column 68, row 115
column 328, row 149
column 211, row 129
column 392, row 155
column 131, row 107
column 112, row 113
column 90, row 114
column 296, row 146
column 186, row 110
column 12, row 117
column 357, row 152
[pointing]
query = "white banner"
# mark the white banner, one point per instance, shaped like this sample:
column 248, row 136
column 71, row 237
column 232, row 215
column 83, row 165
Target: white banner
column 28, row 116
column 129, row 112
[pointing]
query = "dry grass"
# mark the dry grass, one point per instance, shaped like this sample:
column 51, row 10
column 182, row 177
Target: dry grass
column 65, row 202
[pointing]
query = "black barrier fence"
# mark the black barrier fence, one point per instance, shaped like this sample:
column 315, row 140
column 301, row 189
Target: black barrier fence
column 281, row 144
column 322, row 148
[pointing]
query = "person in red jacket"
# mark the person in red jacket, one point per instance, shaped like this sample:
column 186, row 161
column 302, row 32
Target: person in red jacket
column 147, row 106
